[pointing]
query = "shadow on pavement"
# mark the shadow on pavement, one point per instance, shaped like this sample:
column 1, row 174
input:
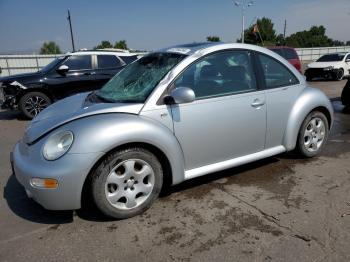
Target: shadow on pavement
column 28, row 209
column 11, row 115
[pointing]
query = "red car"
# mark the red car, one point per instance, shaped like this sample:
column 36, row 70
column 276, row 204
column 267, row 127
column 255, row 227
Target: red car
column 289, row 54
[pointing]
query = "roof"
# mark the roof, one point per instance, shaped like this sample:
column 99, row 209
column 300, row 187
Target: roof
column 103, row 52
column 188, row 49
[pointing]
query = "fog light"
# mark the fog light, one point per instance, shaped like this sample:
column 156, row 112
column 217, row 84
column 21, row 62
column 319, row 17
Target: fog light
column 44, row 182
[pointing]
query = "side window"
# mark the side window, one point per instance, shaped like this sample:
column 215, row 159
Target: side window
column 108, row 61
column 275, row 73
column 129, row 59
column 347, row 57
column 79, row 62
column 220, row 74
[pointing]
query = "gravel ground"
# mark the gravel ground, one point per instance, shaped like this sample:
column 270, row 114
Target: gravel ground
column 279, row 209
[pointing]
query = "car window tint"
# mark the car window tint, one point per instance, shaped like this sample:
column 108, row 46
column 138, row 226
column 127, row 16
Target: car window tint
column 78, row 62
column 290, row 54
column 278, row 51
column 219, row 74
column 129, row 59
column 275, row 73
column 108, row 61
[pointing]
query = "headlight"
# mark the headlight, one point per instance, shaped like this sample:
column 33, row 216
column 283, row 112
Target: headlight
column 328, row 68
column 57, row 145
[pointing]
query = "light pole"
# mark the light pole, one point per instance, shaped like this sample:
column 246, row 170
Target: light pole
column 243, row 6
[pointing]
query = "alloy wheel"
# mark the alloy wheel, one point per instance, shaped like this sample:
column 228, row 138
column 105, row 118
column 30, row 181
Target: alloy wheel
column 35, row 104
column 314, row 134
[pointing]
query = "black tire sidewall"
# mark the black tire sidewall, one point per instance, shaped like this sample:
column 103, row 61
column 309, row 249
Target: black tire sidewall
column 300, row 142
column 337, row 75
column 25, row 97
column 101, row 173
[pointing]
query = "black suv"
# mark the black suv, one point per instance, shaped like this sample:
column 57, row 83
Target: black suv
column 66, row 75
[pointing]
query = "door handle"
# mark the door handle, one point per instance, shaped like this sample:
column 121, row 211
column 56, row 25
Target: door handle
column 257, row 103
column 89, row 73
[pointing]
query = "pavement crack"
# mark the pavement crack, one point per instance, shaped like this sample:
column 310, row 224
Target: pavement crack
column 274, row 220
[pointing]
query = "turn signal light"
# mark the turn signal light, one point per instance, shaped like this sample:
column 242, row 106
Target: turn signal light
column 44, row 182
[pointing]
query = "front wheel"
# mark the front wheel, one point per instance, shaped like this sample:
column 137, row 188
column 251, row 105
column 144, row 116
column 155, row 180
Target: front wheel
column 339, row 74
column 32, row 103
column 127, row 182
column 313, row 134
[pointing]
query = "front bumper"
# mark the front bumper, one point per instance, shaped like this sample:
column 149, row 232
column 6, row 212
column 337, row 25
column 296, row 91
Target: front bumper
column 321, row 73
column 70, row 171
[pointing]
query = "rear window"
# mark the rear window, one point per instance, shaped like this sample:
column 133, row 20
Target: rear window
column 108, row 61
column 290, row 54
column 278, row 51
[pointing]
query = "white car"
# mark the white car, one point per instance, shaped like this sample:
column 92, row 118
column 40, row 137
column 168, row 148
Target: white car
column 331, row 66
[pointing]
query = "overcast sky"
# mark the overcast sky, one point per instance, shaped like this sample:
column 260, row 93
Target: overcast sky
column 152, row 24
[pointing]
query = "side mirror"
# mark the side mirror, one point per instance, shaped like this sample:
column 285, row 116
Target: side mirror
column 62, row 69
column 180, row 95
column 347, row 60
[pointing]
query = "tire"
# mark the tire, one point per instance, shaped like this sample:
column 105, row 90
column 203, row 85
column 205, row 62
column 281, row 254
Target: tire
column 339, row 74
column 32, row 103
column 313, row 134
column 126, row 182
column 345, row 94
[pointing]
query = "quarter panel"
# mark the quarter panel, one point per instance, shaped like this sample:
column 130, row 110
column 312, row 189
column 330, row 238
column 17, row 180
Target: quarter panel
column 279, row 102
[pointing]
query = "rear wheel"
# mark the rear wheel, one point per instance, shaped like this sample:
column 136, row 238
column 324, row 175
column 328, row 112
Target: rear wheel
column 127, row 182
column 313, row 134
column 32, row 103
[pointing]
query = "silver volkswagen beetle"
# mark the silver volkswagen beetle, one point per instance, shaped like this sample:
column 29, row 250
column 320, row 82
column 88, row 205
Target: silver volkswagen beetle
column 175, row 114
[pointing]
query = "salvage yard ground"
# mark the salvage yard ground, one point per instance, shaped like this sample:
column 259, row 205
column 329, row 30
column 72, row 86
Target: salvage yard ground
column 279, row 209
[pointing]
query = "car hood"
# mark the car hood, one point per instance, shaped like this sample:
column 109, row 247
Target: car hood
column 322, row 64
column 72, row 108
column 21, row 78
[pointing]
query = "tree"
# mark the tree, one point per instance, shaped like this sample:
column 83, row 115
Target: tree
column 213, row 39
column 121, row 45
column 266, row 30
column 104, row 44
column 49, row 48
column 315, row 37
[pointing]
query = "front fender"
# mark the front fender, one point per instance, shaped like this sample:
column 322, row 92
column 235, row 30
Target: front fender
column 309, row 99
column 104, row 132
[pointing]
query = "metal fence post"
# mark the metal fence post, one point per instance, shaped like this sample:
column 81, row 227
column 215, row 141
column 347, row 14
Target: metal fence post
column 7, row 64
column 37, row 62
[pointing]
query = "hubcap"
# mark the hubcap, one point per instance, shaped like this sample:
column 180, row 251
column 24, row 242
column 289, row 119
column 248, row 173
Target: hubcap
column 314, row 134
column 129, row 184
column 35, row 104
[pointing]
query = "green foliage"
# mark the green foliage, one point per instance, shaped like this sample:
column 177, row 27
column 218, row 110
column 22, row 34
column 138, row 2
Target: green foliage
column 49, row 48
column 104, row 44
column 121, row 45
column 213, row 39
column 266, row 30
column 315, row 37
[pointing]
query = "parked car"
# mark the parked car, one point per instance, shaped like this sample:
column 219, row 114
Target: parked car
column 333, row 66
column 172, row 115
column 289, row 54
column 345, row 94
column 67, row 75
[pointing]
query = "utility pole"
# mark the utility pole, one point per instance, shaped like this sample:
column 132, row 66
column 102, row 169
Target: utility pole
column 285, row 27
column 243, row 6
column 71, row 31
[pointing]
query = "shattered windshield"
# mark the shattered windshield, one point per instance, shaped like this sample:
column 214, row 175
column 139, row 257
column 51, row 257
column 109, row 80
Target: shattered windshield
column 137, row 80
